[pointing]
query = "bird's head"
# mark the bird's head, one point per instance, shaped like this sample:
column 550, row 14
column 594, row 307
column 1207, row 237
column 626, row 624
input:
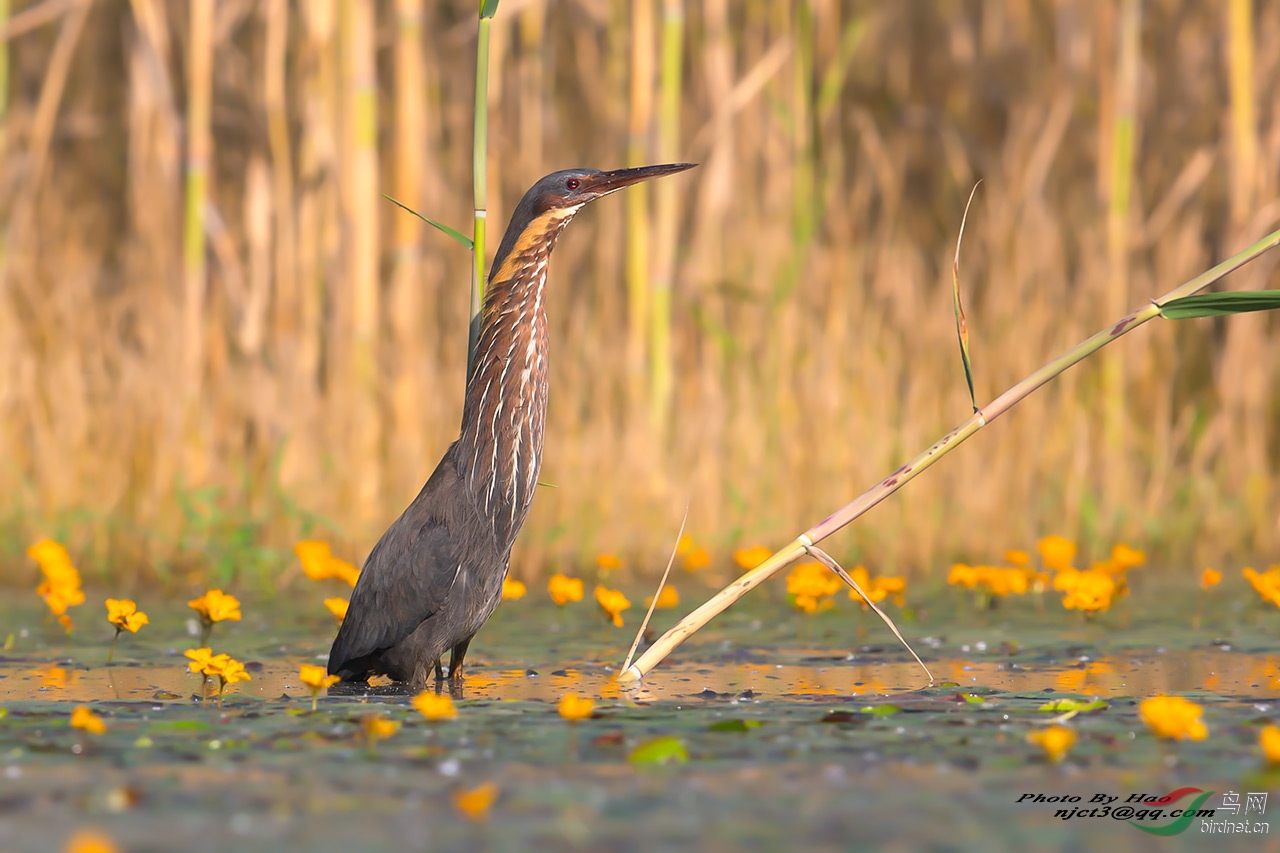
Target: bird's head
column 570, row 189
column 554, row 200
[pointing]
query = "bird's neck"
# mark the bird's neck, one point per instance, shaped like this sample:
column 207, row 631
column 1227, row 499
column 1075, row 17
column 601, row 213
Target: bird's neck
column 506, row 400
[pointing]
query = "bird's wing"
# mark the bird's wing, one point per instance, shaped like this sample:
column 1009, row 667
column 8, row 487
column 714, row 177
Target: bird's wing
column 406, row 580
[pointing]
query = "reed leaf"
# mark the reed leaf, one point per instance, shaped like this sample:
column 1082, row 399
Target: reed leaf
column 455, row 234
column 1220, row 304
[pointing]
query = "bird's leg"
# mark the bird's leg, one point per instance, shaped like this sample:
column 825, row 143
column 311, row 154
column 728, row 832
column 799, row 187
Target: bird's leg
column 455, row 660
column 439, row 672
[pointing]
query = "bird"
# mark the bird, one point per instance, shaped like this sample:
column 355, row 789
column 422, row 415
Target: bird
column 436, row 574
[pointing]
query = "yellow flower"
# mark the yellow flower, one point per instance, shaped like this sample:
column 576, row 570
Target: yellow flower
column 810, row 585
column 612, row 602
column 84, row 718
column 61, row 586
column 667, row 599
column 1054, row 740
column 1057, row 552
column 338, row 607
column 697, row 558
column 962, row 574
column 90, row 841
column 435, row 706
column 315, row 677
column 1088, row 592
column 574, row 707
column 1210, row 577
column 1266, row 584
column 608, row 562
column 1269, row 740
column 564, row 588
column 377, row 728
column 200, row 659
column 474, row 804
column 318, row 562
column 125, row 615
column 1124, row 558
column 685, row 544
column 513, row 589
column 749, row 558
column 1173, row 717
column 46, row 552
column 1018, row 558
column 216, row 606
column 230, row 671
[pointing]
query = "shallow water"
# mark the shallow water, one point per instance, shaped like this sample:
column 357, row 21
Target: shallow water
column 800, row 730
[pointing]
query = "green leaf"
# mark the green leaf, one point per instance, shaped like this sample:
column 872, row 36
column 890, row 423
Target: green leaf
column 881, row 710
column 489, row 8
column 1059, row 706
column 734, row 726
column 1220, row 304
column 659, row 751
column 962, row 325
column 457, row 235
column 181, row 725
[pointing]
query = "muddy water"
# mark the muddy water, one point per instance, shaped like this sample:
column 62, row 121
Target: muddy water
column 798, row 730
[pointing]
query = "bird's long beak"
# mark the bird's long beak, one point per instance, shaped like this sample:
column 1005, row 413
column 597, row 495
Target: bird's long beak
column 609, row 182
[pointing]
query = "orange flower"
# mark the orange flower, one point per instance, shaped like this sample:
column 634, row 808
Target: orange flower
column 1054, row 740
column 749, row 558
column 1210, row 577
column 318, row 562
column 377, row 728
column 216, row 606
column 316, row 679
column 667, row 599
column 811, row 585
column 612, row 602
column 338, row 607
column 474, row 804
column 512, row 589
column 574, row 707
column 1173, row 717
column 608, row 562
column 962, row 574
column 125, row 615
column 1124, row 558
column 697, row 558
column 564, row 588
column 1017, row 558
column 1269, row 740
column 90, row 841
column 84, row 718
column 435, row 706
column 1089, row 592
column 1057, row 552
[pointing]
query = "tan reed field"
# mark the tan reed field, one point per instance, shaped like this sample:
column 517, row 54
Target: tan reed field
column 202, row 286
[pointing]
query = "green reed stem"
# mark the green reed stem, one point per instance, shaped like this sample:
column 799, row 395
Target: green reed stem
column 480, row 185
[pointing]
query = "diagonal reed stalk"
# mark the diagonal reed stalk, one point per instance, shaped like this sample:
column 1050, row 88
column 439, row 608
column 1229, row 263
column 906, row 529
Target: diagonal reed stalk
column 877, row 493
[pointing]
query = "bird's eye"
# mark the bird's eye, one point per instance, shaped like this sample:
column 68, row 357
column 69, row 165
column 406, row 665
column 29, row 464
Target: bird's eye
column 572, row 183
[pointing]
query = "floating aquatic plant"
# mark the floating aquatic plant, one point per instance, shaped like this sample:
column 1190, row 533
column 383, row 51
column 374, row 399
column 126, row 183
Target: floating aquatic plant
column 125, row 616
column 316, row 679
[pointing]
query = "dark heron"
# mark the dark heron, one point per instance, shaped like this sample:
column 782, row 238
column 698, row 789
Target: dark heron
column 436, row 575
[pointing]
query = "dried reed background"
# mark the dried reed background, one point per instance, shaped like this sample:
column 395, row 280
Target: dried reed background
column 202, row 286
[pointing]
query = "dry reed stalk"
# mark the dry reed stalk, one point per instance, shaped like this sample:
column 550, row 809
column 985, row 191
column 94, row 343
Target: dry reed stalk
column 1124, row 131
column 849, row 512
column 667, row 214
column 199, row 149
column 287, row 310
column 532, row 78
column 361, row 203
column 4, row 93
column 639, row 118
column 407, row 297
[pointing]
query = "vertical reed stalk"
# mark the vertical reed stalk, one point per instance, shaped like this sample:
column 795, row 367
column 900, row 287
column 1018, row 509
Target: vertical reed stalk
column 361, row 202
column 194, row 272
column 287, row 313
column 479, row 176
column 641, row 110
column 410, row 147
column 1244, row 121
column 667, row 210
column 4, row 95
column 1120, row 213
